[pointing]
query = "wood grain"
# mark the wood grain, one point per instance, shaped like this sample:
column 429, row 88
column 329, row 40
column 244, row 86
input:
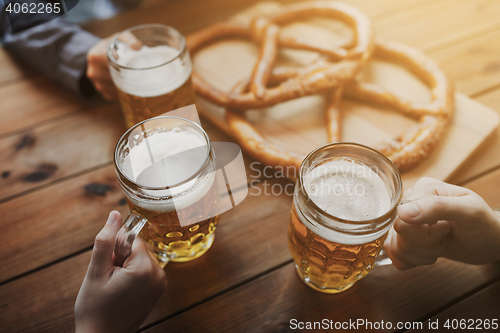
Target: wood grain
column 190, row 15
column 269, row 303
column 26, row 103
column 488, row 187
column 256, row 241
column 11, row 69
column 246, row 245
column 487, row 156
column 60, row 149
column 482, row 305
column 474, row 65
column 441, row 24
column 43, row 302
column 70, row 146
column 55, row 222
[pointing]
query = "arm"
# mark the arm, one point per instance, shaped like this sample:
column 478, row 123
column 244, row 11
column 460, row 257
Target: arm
column 58, row 49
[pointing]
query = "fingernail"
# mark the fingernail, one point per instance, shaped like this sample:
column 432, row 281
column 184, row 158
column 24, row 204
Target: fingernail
column 411, row 209
column 111, row 218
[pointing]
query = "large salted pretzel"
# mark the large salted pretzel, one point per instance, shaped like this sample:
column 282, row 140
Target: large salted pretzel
column 317, row 77
column 336, row 79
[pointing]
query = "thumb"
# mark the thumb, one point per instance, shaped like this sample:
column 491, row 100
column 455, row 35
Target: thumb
column 432, row 209
column 102, row 254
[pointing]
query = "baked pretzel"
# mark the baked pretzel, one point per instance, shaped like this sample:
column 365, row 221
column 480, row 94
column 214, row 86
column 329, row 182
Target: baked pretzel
column 416, row 144
column 253, row 143
column 315, row 78
column 405, row 151
column 259, row 148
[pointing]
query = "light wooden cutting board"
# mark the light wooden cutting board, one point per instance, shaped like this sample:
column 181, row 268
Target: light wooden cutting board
column 300, row 124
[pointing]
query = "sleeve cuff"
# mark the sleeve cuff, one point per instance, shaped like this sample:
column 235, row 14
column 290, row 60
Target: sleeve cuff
column 73, row 64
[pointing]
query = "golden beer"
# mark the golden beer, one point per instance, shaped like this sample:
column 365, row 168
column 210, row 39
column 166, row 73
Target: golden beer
column 151, row 68
column 344, row 205
column 172, row 241
column 136, row 108
column 328, row 265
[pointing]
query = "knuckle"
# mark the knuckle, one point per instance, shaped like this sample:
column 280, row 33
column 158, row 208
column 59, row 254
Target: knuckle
column 436, row 204
column 399, row 226
column 144, row 274
column 424, row 181
column 91, row 72
column 92, row 56
column 478, row 207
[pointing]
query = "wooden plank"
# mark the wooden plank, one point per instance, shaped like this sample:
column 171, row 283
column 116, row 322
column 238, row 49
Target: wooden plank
column 487, row 156
column 11, row 69
column 488, row 187
column 26, row 103
column 78, row 143
column 474, row 64
column 441, row 24
column 472, row 311
column 248, row 243
column 52, row 223
column 269, row 303
column 43, row 302
column 58, row 150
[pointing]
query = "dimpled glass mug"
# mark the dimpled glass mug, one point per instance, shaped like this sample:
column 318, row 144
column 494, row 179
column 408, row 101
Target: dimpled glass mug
column 151, row 68
column 166, row 168
column 344, row 204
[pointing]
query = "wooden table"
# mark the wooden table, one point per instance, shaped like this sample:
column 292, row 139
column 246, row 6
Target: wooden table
column 57, row 186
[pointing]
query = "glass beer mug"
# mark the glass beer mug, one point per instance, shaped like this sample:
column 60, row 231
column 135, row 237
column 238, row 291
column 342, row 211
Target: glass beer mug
column 344, row 204
column 166, row 168
column 151, row 68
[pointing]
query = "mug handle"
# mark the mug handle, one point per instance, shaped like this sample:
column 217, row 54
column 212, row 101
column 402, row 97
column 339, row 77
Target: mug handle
column 126, row 236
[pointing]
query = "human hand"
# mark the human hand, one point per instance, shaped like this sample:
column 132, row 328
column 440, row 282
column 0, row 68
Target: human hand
column 98, row 70
column 97, row 64
column 117, row 299
column 443, row 221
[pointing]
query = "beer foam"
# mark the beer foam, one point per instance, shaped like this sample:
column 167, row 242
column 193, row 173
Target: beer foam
column 155, row 70
column 164, row 159
column 349, row 191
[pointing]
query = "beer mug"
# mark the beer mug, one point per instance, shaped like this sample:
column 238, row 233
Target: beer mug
column 151, row 68
column 166, row 168
column 344, row 204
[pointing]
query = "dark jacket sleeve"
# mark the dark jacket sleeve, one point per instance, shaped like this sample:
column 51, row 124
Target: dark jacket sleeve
column 57, row 48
